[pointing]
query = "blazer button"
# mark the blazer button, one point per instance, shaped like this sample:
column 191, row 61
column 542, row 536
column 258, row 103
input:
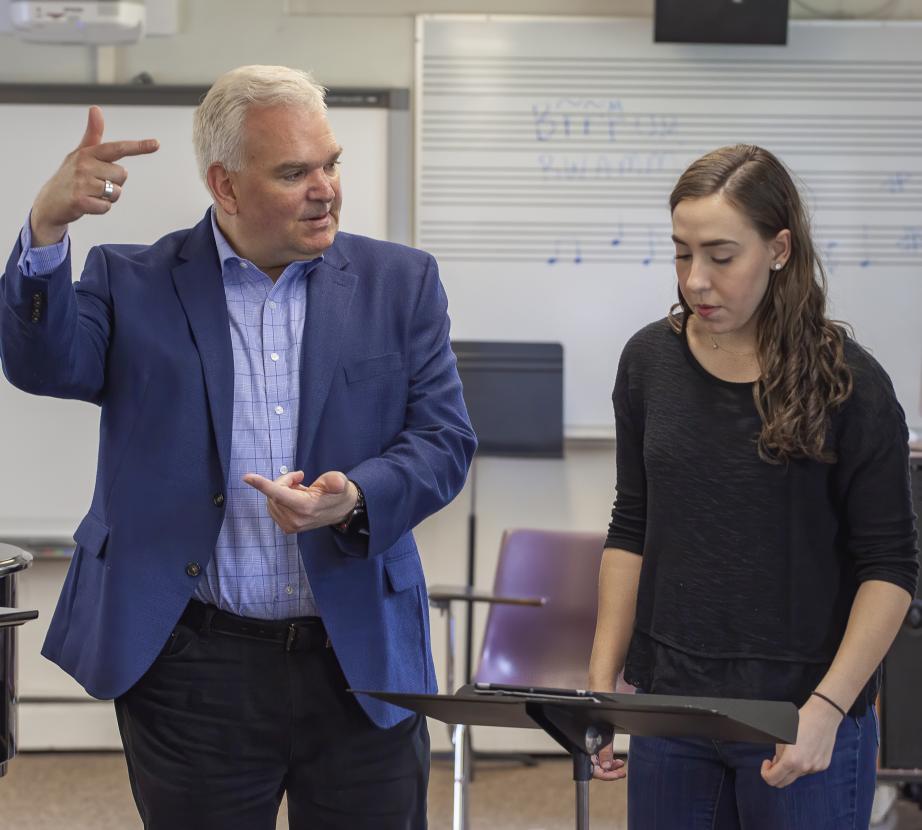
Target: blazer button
column 193, row 569
column 218, row 499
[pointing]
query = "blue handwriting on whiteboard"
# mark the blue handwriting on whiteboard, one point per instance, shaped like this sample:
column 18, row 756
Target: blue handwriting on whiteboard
column 911, row 240
column 897, row 182
column 572, row 117
column 600, row 166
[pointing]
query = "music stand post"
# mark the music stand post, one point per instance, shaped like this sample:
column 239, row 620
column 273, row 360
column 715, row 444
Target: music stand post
column 514, row 397
column 582, row 722
column 442, row 597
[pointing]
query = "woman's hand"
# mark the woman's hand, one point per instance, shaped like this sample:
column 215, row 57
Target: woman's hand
column 605, row 767
column 816, row 737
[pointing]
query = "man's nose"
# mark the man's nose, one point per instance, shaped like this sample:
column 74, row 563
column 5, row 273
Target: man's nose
column 321, row 189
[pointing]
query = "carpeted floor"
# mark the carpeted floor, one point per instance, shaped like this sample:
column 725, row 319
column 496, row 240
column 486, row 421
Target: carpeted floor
column 89, row 791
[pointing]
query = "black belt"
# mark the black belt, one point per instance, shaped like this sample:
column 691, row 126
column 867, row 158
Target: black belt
column 299, row 634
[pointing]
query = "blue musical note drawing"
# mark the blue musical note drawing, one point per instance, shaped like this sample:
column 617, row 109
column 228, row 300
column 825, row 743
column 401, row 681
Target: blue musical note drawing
column 647, row 260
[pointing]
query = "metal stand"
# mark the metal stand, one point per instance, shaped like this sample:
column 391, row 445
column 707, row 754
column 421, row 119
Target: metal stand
column 443, row 597
column 461, row 741
column 583, row 722
column 594, row 738
column 471, row 563
column 12, row 561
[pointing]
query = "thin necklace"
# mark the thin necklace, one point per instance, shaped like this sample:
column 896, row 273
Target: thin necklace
column 716, row 345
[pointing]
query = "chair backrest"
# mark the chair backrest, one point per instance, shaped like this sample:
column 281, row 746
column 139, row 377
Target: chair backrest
column 548, row 645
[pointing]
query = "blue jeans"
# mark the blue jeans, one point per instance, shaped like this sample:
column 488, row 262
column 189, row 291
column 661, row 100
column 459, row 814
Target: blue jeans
column 692, row 784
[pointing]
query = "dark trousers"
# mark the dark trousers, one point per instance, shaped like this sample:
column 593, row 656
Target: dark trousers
column 221, row 726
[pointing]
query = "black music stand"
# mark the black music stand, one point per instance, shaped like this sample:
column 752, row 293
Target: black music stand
column 583, row 722
column 514, row 397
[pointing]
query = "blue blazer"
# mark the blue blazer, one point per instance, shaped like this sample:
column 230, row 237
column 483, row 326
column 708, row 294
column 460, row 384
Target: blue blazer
column 145, row 335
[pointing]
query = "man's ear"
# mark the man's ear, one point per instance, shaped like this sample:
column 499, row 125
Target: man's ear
column 222, row 186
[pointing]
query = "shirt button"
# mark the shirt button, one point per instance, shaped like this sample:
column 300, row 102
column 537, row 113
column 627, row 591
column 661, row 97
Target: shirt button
column 193, row 569
column 283, row 469
column 273, row 304
column 243, row 264
column 279, row 410
column 218, row 499
column 289, row 590
column 274, row 355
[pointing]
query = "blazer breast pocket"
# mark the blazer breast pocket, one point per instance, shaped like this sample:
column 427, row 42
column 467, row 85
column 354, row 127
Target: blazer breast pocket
column 372, row 367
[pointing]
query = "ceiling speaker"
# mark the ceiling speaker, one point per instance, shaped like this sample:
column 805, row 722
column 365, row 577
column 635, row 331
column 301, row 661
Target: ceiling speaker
column 721, row 21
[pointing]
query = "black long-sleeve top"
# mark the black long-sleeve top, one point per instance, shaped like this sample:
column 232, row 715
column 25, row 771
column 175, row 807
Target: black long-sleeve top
column 749, row 568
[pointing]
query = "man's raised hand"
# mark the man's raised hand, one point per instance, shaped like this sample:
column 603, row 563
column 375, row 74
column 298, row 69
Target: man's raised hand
column 78, row 187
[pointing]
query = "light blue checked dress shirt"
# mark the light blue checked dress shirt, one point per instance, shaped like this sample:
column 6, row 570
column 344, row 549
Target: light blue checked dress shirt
column 256, row 570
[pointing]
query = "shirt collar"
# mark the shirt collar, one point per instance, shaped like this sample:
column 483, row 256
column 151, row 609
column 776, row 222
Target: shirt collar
column 228, row 255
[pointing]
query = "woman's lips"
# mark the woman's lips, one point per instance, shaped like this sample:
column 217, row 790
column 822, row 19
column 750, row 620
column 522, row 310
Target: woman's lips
column 706, row 310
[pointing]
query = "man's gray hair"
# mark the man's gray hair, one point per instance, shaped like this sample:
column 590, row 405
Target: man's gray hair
column 217, row 127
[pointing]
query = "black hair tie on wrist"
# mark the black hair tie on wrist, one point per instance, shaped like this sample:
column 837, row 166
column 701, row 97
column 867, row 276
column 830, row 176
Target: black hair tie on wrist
column 831, row 702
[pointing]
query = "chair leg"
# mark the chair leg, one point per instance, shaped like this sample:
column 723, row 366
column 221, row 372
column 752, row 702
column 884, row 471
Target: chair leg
column 461, row 740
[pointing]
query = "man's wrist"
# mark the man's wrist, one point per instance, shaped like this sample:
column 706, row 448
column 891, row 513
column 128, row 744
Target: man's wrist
column 44, row 236
column 356, row 520
column 352, row 487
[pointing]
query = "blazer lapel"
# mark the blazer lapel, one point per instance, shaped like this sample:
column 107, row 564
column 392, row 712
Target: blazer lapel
column 329, row 296
column 201, row 291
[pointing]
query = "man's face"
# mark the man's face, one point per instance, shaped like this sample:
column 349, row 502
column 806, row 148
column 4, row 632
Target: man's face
column 288, row 192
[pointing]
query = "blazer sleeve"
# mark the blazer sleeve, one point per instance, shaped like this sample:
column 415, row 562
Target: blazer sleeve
column 53, row 333
column 426, row 465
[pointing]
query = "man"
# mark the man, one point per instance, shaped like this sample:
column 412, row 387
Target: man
column 225, row 603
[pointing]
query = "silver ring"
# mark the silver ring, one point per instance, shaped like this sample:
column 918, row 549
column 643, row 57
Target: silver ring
column 108, row 190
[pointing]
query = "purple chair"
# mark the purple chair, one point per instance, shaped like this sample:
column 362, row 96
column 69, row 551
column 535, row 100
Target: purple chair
column 540, row 626
column 548, row 645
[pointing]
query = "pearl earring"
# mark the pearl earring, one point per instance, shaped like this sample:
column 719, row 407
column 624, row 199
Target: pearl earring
column 777, row 266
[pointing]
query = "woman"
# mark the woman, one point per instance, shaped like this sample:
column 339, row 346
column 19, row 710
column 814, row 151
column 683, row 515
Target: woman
column 762, row 542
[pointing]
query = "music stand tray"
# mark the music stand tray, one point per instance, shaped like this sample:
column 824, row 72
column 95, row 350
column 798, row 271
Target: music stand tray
column 582, row 722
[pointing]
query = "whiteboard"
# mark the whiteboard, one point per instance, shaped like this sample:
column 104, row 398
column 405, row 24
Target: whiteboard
column 547, row 149
column 48, row 447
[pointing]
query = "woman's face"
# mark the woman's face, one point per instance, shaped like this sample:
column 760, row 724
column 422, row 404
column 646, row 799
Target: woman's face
column 723, row 264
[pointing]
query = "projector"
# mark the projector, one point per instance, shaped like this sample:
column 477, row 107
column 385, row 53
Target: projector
column 99, row 23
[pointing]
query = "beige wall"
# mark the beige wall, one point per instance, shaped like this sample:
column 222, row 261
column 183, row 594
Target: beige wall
column 347, row 42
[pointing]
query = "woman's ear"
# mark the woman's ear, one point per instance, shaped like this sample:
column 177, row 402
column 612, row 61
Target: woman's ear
column 781, row 248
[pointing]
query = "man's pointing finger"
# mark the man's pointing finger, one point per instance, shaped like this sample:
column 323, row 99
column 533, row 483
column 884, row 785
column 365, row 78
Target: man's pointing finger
column 115, row 150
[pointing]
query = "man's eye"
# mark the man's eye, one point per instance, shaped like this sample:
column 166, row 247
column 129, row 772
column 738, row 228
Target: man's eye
column 332, row 166
column 294, row 176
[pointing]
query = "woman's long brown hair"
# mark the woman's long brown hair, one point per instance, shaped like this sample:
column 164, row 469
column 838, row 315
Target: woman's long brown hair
column 804, row 374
